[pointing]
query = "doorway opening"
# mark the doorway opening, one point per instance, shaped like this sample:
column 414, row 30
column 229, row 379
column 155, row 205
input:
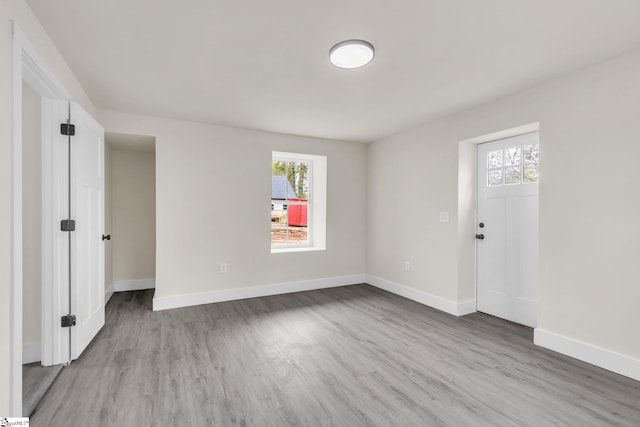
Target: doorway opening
column 36, row 379
column 468, row 219
column 27, row 67
column 130, row 213
column 48, row 98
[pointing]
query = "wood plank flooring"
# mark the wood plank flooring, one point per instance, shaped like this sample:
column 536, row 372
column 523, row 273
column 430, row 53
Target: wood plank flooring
column 36, row 380
column 351, row 356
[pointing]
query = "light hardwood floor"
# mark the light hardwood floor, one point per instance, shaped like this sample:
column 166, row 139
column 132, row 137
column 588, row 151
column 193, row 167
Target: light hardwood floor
column 351, row 356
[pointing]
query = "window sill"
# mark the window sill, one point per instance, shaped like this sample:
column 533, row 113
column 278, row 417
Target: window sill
column 302, row 249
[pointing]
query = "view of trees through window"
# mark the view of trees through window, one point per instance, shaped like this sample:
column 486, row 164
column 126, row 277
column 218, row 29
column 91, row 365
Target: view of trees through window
column 290, row 200
column 513, row 165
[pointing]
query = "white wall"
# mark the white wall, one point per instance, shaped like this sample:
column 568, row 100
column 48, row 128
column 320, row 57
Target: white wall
column 133, row 214
column 20, row 12
column 589, row 202
column 213, row 191
column 31, row 218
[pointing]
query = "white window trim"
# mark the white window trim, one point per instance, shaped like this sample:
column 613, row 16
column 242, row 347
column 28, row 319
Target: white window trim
column 317, row 202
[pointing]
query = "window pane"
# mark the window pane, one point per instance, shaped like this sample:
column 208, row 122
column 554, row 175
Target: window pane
column 494, row 159
column 495, row 178
column 512, row 156
column 531, row 173
column 297, row 217
column 279, row 232
column 289, row 224
column 298, row 235
column 290, row 185
column 298, row 177
column 278, row 180
column 531, row 153
column 512, row 175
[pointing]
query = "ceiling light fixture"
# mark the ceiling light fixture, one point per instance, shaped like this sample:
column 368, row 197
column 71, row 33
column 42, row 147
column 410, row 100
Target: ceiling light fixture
column 351, row 54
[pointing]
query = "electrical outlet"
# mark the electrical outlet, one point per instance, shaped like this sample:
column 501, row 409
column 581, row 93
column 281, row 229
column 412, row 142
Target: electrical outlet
column 223, row 267
column 407, row 266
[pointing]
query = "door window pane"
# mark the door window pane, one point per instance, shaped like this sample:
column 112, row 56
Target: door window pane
column 495, row 178
column 512, row 175
column 531, row 153
column 494, row 159
column 512, row 156
column 531, row 173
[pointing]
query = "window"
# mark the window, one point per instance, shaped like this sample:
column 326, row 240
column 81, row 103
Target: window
column 513, row 165
column 298, row 202
column 290, row 202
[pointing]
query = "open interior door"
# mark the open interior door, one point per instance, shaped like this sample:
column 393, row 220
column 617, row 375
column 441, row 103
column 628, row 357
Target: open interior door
column 87, row 248
column 73, row 213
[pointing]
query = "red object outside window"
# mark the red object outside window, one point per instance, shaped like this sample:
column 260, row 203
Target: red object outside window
column 297, row 214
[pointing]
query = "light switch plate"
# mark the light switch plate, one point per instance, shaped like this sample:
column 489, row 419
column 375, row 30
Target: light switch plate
column 444, row 217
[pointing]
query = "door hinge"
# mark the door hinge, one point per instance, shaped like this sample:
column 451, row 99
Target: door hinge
column 68, row 225
column 67, row 129
column 68, row 321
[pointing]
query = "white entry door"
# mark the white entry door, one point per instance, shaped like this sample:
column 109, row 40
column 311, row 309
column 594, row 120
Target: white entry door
column 507, row 228
column 73, row 173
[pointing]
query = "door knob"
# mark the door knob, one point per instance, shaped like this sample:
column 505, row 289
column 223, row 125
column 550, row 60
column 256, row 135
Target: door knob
column 480, row 236
column 107, row 237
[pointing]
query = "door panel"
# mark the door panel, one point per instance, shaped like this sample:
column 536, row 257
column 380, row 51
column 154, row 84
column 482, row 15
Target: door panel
column 507, row 257
column 496, row 246
column 528, row 231
column 87, row 196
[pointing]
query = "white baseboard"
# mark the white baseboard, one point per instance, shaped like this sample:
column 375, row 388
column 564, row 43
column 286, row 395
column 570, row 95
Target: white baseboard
column 467, row 307
column 128, row 285
column 442, row 304
column 133, row 285
column 31, row 352
column 187, row 300
column 607, row 359
column 108, row 293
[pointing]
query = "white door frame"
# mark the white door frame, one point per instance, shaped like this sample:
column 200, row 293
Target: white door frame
column 26, row 65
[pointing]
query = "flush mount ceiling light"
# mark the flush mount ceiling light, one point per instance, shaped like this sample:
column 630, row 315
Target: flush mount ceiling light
column 351, row 54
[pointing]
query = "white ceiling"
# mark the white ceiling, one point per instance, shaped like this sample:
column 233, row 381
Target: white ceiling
column 264, row 64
